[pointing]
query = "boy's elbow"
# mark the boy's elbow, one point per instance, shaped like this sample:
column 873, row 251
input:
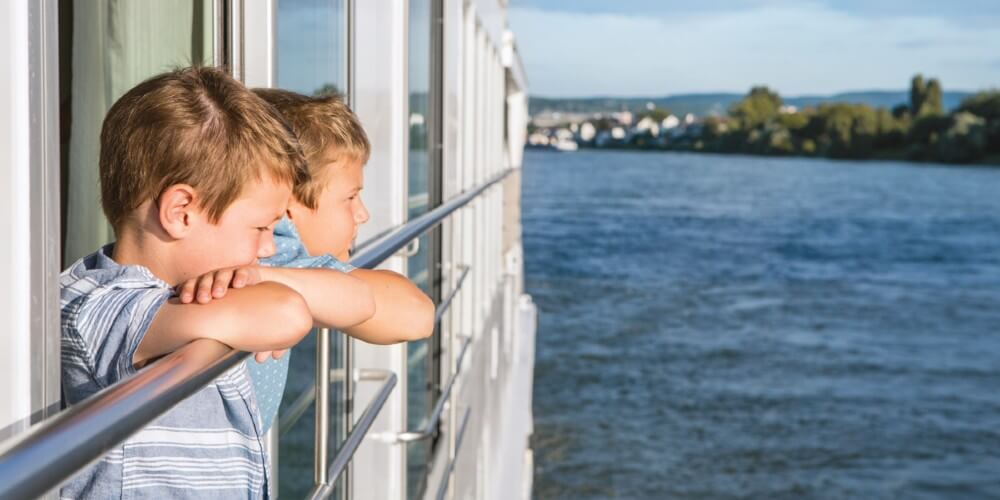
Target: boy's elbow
column 419, row 310
column 423, row 318
column 293, row 318
column 366, row 309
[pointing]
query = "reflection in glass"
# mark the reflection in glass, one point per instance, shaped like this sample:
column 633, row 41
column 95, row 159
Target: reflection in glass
column 420, row 366
column 312, row 55
column 312, row 47
column 106, row 48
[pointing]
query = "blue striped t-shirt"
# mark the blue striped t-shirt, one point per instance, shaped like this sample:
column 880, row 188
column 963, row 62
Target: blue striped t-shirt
column 208, row 446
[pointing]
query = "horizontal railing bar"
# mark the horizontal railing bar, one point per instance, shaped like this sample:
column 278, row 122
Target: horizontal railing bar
column 353, row 440
column 428, row 429
column 377, row 251
column 446, row 303
column 59, row 447
column 446, row 477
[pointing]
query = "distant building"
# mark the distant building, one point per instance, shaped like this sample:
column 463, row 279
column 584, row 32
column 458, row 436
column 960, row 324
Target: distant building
column 788, row 109
column 618, row 133
column 556, row 118
column 563, row 134
column 538, row 139
column 689, row 119
column 623, row 117
column 647, row 124
column 587, row 131
column 670, row 122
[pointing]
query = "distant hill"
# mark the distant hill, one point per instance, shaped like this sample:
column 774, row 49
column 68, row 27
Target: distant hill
column 707, row 104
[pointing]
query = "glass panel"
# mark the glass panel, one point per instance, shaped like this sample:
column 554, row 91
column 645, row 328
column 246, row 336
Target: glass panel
column 106, row 48
column 312, row 56
column 421, row 366
column 312, row 48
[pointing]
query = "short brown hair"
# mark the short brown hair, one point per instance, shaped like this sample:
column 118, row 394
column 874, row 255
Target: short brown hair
column 321, row 122
column 195, row 126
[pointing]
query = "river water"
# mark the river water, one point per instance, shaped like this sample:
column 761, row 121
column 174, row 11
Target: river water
column 742, row 327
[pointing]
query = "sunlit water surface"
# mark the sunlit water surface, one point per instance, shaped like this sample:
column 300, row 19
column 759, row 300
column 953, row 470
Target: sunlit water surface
column 735, row 327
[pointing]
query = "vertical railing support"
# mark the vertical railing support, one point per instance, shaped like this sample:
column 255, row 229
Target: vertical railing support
column 321, row 437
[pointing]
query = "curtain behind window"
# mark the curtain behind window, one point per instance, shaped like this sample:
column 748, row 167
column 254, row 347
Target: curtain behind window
column 115, row 45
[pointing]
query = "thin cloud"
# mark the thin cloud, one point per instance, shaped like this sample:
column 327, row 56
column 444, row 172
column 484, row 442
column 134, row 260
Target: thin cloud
column 797, row 48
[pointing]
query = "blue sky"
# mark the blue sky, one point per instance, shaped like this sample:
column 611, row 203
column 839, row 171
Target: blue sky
column 660, row 47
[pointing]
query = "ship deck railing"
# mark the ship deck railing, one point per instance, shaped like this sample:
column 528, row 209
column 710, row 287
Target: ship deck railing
column 49, row 453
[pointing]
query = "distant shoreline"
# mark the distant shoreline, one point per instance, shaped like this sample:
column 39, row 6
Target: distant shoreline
column 887, row 156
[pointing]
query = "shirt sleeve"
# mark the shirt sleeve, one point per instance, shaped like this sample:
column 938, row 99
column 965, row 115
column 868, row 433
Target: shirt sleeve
column 111, row 322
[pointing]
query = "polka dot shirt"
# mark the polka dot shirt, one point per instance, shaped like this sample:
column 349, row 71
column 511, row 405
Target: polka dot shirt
column 269, row 377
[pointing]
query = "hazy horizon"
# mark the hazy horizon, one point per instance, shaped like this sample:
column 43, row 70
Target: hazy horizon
column 724, row 92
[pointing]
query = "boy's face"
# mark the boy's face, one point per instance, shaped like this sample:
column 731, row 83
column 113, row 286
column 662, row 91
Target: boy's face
column 332, row 227
column 244, row 232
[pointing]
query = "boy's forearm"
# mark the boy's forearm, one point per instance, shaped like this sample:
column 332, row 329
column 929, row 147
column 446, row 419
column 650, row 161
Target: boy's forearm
column 402, row 311
column 336, row 300
column 262, row 317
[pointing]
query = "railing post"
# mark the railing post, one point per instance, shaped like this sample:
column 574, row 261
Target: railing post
column 321, row 438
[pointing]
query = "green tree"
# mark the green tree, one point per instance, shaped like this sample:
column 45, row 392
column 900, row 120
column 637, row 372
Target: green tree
column 844, row 130
column 918, row 94
column 964, row 141
column 327, row 89
column 932, row 102
column 891, row 129
column 924, row 135
column 985, row 104
column 757, row 108
column 793, row 121
column 657, row 114
column 925, row 98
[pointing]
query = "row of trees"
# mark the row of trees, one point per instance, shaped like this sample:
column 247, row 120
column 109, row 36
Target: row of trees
column 920, row 130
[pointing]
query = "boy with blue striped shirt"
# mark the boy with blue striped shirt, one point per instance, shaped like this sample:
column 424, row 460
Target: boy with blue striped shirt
column 195, row 173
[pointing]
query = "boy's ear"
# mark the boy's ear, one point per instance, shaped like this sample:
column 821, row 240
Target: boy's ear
column 178, row 210
column 296, row 210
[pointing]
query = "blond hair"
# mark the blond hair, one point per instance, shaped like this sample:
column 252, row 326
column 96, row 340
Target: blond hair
column 195, row 126
column 322, row 123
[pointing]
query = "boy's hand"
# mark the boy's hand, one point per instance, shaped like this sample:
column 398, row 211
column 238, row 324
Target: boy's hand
column 263, row 355
column 213, row 285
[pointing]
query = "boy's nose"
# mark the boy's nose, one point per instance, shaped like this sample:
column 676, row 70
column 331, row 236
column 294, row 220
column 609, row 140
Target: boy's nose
column 361, row 216
column 266, row 247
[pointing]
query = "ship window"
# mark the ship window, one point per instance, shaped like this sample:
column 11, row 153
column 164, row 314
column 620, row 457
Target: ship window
column 311, row 59
column 105, row 49
column 423, row 182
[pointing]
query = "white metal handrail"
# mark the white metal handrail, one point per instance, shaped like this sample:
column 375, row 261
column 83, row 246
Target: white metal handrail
column 446, row 477
column 307, row 396
column 39, row 460
column 353, row 440
column 429, row 428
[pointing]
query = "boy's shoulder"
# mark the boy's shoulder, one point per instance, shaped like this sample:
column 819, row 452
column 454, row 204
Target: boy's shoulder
column 97, row 272
column 106, row 309
column 291, row 252
column 97, row 285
